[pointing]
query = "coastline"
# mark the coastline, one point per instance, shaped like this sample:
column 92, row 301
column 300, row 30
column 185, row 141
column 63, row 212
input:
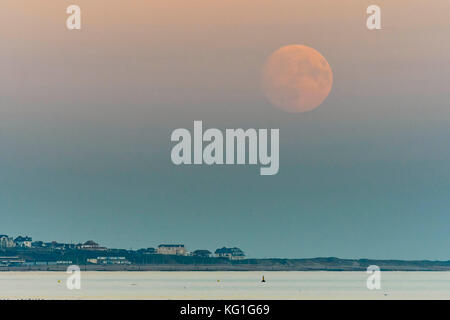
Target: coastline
column 253, row 265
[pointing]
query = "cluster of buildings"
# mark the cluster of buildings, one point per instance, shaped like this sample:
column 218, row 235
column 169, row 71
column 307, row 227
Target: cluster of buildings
column 173, row 249
column 27, row 242
column 109, row 260
column 14, row 261
column 9, row 242
column 180, row 249
column 164, row 249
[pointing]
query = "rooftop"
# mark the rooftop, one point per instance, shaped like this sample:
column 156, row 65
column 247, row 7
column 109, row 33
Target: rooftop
column 233, row 251
column 20, row 238
column 90, row 243
column 170, row 245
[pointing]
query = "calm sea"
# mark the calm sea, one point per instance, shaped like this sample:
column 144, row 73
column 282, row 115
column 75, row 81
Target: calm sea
column 225, row 285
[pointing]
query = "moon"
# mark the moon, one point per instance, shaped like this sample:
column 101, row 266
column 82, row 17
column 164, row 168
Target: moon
column 297, row 78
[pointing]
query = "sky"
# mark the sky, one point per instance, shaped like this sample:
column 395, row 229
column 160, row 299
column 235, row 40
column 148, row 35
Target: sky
column 86, row 118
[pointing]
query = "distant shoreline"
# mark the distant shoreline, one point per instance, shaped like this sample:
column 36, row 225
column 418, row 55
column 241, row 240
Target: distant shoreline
column 89, row 256
column 314, row 264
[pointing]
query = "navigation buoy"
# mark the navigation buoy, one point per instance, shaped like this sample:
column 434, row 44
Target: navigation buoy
column 263, row 279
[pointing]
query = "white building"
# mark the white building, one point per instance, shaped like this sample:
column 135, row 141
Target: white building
column 230, row 253
column 109, row 260
column 6, row 242
column 91, row 245
column 24, row 242
column 176, row 249
column 11, row 261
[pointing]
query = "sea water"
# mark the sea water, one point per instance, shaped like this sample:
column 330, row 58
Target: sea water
column 224, row 285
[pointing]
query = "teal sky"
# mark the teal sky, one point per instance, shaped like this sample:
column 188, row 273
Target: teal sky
column 86, row 118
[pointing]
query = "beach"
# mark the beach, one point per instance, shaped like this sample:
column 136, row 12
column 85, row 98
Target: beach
column 297, row 285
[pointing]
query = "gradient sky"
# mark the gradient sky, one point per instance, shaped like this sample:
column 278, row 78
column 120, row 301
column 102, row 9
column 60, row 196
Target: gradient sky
column 86, row 118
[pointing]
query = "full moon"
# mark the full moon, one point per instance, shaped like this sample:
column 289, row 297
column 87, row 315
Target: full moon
column 297, row 78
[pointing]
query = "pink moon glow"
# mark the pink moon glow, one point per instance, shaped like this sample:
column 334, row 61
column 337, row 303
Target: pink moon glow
column 297, row 78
